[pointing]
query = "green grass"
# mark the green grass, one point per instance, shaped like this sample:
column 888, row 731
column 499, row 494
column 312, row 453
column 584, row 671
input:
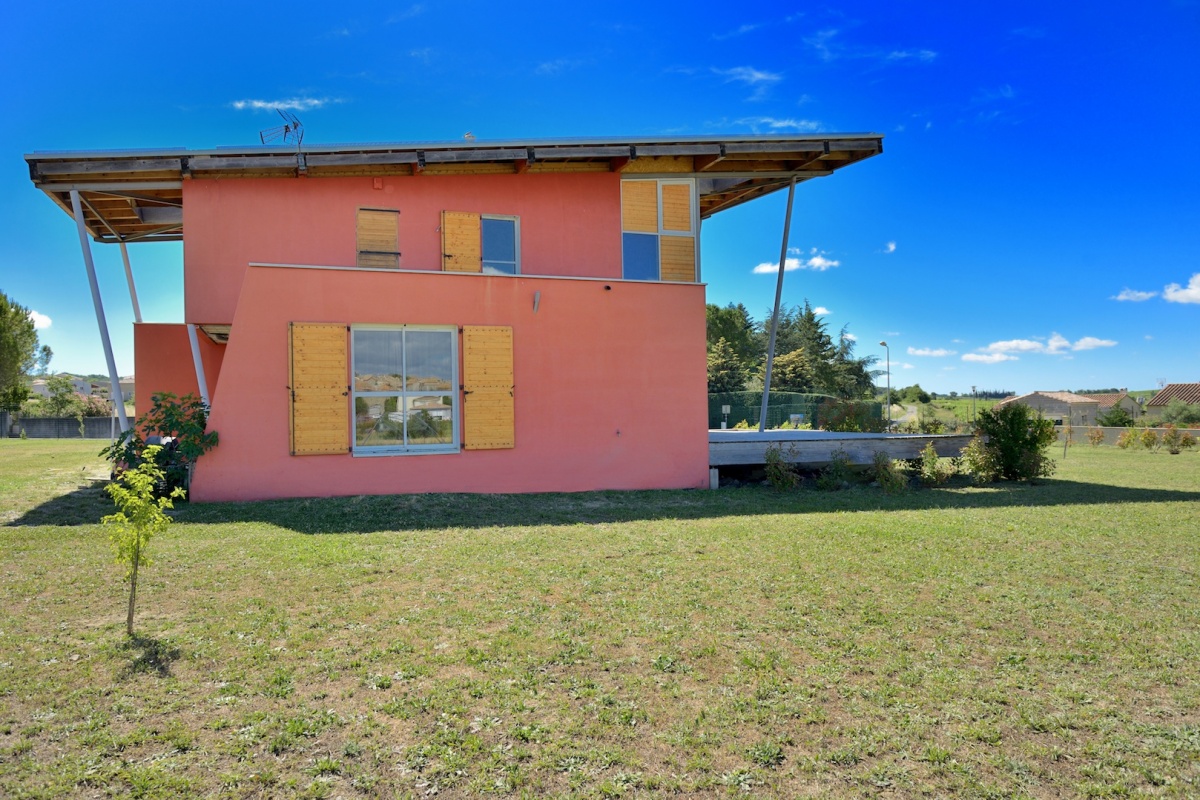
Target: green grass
column 1010, row 641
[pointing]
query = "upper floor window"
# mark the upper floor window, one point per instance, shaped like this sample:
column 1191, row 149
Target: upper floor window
column 378, row 238
column 658, row 230
column 488, row 243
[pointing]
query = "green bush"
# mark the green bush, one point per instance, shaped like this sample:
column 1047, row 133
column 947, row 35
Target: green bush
column 1176, row 441
column 184, row 420
column 837, row 472
column 1016, row 437
column 850, row 416
column 934, row 471
column 780, row 469
column 891, row 479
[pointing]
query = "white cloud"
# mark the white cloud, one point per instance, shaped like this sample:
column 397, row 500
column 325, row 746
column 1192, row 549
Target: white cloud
column 1175, row 293
column 1014, row 346
column 890, row 247
column 1057, row 343
column 1091, row 343
column 822, row 311
column 990, row 358
column 850, row 336
column 741, row 30
column 1133, row 296
column 816, row 262
column 924, row 56
column 906, row 365
column 288, row 104
column 40, row 320
column 759, row 80
column 931, row 352
column 1148, row 337
column 771, row 123
column 408, row 13
column 558, row 65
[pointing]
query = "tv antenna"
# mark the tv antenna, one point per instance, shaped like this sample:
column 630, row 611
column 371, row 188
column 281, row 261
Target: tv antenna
column 291, row 131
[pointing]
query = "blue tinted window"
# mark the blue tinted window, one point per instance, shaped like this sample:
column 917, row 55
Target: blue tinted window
column 499, row 245
column 639, row 254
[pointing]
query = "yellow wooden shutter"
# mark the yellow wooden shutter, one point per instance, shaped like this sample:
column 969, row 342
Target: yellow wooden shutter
column 677, row 207
column 461, row 242
column 378, row 238
column 677, row 258
column 639, row 206
column 317, row 375
column 488, row 387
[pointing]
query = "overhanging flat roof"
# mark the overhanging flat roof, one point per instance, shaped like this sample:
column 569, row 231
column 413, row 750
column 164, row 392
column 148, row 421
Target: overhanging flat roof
column 137, row 195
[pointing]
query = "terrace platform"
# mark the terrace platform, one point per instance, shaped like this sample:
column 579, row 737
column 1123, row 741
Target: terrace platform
column 812, row 449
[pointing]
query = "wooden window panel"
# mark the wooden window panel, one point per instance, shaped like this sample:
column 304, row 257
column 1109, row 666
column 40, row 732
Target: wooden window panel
column 639, row 206
column 677, row 207
column 488, row 417
column 461, row 242
column 317, row 376
column 677, row 256
column 378, row 238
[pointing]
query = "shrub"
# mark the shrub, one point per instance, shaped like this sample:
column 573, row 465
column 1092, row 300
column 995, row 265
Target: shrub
column 183, row 420
column 780, row 472
column 1096, row 436
column 837, row 472
column 1176, row 441
column 850, row 416
column 934, row 471
column 1017, row 438
column 1149, row 439
column 1115, row 417
column 887, row 474
column 980, row 461
column 1127, row 439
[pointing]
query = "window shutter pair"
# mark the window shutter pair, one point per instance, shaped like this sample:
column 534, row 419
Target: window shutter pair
column 319, row 368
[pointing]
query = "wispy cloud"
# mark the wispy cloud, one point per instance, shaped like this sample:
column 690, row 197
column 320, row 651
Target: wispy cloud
column 890, row 247
column 40, row 320
column 907, row 365
column 741, row 30
column 1175, row 293
column 1030, row 33
column 759, row 80
column 988, row 358
column 931, row 352
column 822, row 42
column 559, row 65
column 1015, row 346
column 772, row 123
column 415, row 10
column 1091, row 343
column 815, row 261
column 828, row 46
column 850, row 336
column 287, row 104
column 918, row 55
column 1133, row 296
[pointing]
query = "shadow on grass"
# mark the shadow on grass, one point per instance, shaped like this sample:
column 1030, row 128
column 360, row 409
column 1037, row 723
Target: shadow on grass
column 150, row 656
column 370, row 514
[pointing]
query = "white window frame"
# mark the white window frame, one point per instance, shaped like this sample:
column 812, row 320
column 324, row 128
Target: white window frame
column 516, row 221
column 455, row 445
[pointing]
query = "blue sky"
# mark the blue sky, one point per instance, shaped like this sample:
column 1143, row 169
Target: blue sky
column 1033, row 223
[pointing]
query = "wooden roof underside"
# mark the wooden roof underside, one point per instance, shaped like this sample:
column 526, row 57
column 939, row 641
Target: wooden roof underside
column 139, row 196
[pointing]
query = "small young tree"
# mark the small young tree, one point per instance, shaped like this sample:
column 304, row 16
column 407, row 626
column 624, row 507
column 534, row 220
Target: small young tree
column 725, row 372
column 1115, row 417
column 139, row 516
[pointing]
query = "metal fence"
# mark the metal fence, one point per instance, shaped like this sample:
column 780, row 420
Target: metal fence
column 58, row 427
column 782, row 407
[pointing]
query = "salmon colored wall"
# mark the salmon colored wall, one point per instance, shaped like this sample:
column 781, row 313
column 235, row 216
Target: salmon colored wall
column 570, row 225
column 610, row 385
column 162, row 362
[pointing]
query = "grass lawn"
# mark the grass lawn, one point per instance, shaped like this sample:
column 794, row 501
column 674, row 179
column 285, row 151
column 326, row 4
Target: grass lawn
column 1014, row 641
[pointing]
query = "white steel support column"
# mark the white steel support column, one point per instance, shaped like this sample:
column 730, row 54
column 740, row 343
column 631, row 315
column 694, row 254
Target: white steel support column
column 137, row 311
column 117, row 398
column 198, row 363
column 787, row 224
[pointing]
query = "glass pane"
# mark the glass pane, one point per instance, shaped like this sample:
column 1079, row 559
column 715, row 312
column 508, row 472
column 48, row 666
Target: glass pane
column 430, row 419
column 499, row 239
column 429, row 357
column 378, row 421
column 639, row 254
column 377, row 361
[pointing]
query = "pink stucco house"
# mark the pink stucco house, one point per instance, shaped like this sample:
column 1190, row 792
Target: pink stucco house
column 481, row 317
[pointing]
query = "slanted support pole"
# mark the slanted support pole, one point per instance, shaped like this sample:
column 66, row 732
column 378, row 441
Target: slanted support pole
column 137, row 311
column 787, row 224
column 198, row 363
column 118, row 399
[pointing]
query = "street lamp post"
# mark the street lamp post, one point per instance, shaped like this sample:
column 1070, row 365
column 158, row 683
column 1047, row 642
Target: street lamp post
column 884, row 345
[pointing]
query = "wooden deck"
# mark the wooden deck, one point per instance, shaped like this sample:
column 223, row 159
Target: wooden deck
column 811, row 449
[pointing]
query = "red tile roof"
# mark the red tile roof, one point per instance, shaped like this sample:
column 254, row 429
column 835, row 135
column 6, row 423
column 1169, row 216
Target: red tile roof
column 1108, row 400
column 1062, row 397
column 1187, row 392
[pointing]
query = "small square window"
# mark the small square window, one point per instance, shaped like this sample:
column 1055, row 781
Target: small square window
column 639, row 254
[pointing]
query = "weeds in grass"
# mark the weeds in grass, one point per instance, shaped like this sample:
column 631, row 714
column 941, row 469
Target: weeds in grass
column 837, row 474
column 887, row 474
column 780, row 466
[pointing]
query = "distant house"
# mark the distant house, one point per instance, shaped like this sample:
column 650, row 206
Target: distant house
column 81, row 386
column 1184, row 392
column 1119, row 399
column 469, row 316
column 1063, row 408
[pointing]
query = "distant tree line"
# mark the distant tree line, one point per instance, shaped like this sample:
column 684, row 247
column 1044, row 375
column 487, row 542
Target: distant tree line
column 807, row 358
